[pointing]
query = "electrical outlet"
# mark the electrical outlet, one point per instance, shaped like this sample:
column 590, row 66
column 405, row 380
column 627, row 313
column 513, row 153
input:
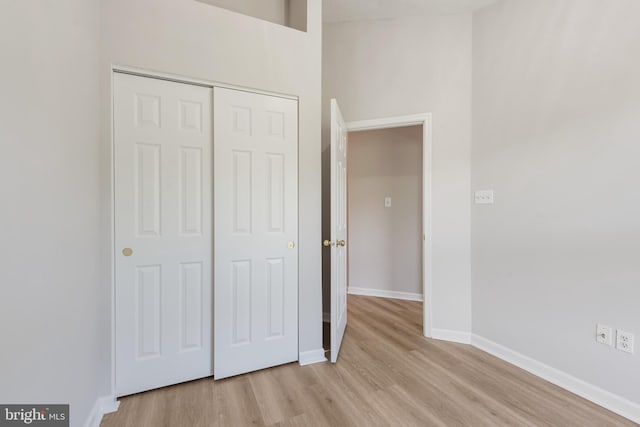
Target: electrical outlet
column 624, row 341
column 604, row 335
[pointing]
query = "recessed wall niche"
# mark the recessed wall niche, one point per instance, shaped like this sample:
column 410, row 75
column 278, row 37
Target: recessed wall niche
column 289, row 13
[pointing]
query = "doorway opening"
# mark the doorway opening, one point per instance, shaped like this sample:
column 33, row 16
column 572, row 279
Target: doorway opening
column 384, row 213
column 389, row 217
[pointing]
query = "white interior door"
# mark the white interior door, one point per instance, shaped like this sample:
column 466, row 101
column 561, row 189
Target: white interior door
column 163, row 233
column 338, row 229
column 256, row 229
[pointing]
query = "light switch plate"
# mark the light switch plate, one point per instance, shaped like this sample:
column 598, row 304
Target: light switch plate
column 387, row 202
column 484, row 197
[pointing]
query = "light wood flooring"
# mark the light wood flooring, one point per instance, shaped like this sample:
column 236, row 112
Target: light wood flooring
column 387, row 375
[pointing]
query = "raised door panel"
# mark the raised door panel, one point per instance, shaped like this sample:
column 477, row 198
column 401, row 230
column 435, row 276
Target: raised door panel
column 190, row 116
column 147, row 113
column 242, row 188
column 147, row 190
column 275, row 193
column 191, row 186
column 240, row 324
column 276, row 301
column 148, row 311
column 191, row 306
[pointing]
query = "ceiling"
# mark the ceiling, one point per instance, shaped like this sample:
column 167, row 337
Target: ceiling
column 360, row 10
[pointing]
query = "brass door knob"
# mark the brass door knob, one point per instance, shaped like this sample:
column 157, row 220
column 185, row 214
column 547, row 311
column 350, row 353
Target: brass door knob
column 342, row 243
column 291, row 245
column 127, row 251
column 327, row 243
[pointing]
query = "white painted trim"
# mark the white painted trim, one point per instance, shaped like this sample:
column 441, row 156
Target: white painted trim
column 451, row 335
column 104, row 405
column 427, row 289
column 112, row 231
column 384, row 294
column 425, row 120
column 311, row 357
column 608, row 400
column 125, row 69
column 388, row 122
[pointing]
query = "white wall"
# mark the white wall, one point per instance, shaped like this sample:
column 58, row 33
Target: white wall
column 385, row 243
column 269, row 10
column 196, row 40
column 556, row 102
column 292, row 13
column 53, row 318
column 297, row 14
column 407, row 66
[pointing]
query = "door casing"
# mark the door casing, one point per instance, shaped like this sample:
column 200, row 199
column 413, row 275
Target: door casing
column 426, row 121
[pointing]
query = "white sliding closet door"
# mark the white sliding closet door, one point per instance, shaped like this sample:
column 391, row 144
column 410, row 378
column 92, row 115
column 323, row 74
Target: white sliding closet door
column 256, row 231
column 163, row 232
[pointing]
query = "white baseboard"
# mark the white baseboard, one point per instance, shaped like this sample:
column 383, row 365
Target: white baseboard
column 310, row 357
column 104, row 405
column 384, row 294
column 450, row 335
column 612, row 402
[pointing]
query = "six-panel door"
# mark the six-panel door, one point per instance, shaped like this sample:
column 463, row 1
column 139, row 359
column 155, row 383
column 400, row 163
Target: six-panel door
column 256, row 231
column 163, row 232
column 338, row 203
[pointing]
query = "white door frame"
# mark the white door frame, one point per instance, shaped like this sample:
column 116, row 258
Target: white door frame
column 118, row 68
column 403, row 121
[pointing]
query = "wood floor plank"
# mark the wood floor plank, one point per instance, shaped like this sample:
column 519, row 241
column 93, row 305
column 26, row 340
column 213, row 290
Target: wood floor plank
column 277, row 403
column 387, row 375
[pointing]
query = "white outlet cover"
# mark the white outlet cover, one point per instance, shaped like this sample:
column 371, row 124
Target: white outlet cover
column 387, row 202
column 483, row 197
column 604, row 334
column 624, row 341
